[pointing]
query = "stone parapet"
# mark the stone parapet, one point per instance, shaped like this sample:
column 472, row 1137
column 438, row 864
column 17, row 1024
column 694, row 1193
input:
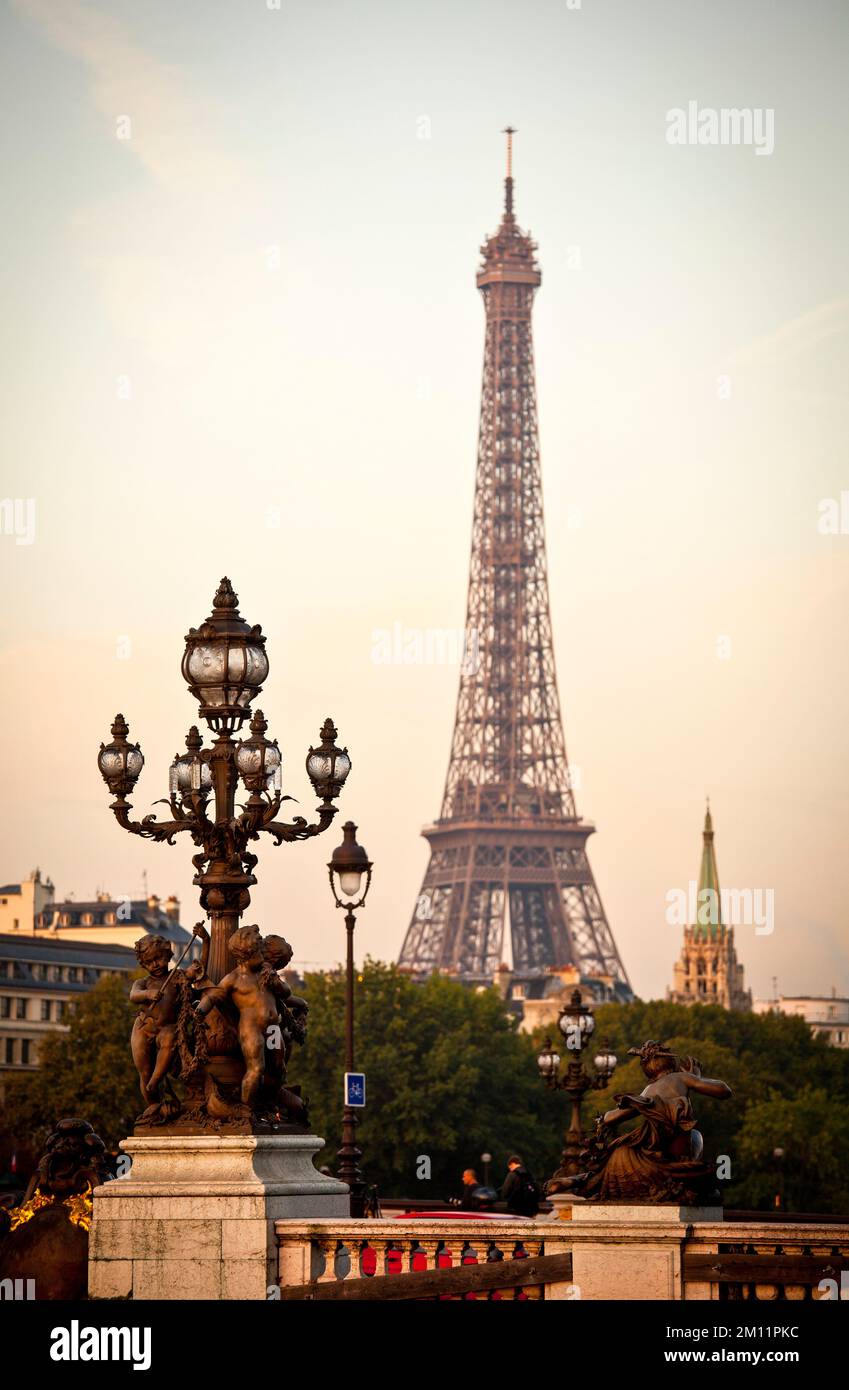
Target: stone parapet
column 194, row 1217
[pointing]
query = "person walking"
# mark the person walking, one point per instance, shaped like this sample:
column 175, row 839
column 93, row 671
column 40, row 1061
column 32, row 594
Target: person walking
column 471, row 1183
column 520, row 1190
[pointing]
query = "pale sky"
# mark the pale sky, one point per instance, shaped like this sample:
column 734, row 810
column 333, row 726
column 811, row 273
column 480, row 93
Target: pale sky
column 242, row 335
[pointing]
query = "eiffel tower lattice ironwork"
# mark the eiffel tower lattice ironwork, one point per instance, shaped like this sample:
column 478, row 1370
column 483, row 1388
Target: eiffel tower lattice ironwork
column 509, row 843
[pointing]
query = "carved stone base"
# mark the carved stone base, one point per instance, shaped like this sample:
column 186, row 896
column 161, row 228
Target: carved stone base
column 221, row 1129
column 194, row 1217
column 643, row 1213
column 629, row 1251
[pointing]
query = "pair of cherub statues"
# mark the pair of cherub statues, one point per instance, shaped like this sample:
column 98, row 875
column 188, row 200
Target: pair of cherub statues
column 229, row 1042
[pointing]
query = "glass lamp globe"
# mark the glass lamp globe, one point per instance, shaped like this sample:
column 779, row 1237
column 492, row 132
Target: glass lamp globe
column 348, row 862
column 258, row 760
column 188, row 773
column 349, row 882
column 548, row 1060
column 225, row 663
column 327, row 765
column 606, row 1061
column 120, row 762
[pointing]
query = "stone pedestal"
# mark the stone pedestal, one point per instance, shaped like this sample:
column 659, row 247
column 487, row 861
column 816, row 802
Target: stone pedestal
column 629, row 1252
column 194, row 1217
column 641, row 1214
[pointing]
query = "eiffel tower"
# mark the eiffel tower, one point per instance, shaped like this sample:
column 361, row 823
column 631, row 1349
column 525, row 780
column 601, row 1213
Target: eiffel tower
column 509, row 846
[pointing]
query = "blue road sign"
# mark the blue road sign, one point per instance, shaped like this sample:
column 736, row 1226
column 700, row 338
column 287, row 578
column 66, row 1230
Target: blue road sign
column 355, row 1088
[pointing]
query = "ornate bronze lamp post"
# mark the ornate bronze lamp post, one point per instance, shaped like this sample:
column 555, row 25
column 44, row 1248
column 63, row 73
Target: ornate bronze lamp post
column 348, row 863
column 224, row 665
column 576, row 1023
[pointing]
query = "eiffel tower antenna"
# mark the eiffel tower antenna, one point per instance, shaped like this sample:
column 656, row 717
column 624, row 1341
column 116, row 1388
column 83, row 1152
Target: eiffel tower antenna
column 509, row 848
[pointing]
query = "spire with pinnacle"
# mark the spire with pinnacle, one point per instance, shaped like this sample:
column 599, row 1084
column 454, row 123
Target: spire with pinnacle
column 508, row 256
column 709, row 908
column 509, row 131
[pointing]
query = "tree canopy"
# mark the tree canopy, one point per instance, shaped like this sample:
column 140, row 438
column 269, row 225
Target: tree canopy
column 449, row 1077
column 86, row 1072
column 790, row 1092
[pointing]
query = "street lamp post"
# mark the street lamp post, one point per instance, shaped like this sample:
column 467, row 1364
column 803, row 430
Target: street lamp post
column 577, row 1024
column 348, row 863
column 778, row 1155
column 224, row 665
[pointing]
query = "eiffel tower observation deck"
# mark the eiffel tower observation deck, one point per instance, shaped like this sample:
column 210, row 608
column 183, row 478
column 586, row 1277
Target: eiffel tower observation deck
column 508, row 852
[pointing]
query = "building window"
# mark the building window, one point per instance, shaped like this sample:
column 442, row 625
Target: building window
column 517, row 992
column 10, row 1051
column 73, row 974
column 25, row 1051
column 109, row 919
column 60, row 1010
column 20, row 1008
column 53, row 973
column 45, row 1010
column 5, row 1007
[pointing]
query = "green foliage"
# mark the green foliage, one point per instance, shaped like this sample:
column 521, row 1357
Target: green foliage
column 86, row 1073
column 448, row 1076
column 790, row 1091
column 814, row 1134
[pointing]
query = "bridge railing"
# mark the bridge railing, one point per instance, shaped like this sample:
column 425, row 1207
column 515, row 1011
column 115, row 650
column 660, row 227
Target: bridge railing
column 456, row 1258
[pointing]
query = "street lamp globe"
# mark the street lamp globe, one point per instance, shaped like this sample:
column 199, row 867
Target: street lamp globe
column 258, row 759
column 120, row 761
column 188, row 773
column 225, row 664
column 606, row 1061
column 576, row 1017
column 548, row 1060
column 327, row 765
column 348, row 862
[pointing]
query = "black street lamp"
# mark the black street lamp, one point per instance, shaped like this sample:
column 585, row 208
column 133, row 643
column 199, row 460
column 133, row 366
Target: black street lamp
column 778, row 1202
column 348, row 863
column 576, row 1023
column 486, row 1159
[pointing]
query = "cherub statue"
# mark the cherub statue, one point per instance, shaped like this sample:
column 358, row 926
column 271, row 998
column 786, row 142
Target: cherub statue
column 292, row 1028
column 250, row 989
column 660, row 1160
column 278, row 954
column 73, row 1161
column 156, row 1040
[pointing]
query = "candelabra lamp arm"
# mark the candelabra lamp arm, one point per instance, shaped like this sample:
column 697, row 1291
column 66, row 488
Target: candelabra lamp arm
column 148, row 827
column 299, row 829
column 198, row 821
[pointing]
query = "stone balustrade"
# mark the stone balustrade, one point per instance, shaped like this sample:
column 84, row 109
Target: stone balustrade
column 588, row 1252
column 328, row 1253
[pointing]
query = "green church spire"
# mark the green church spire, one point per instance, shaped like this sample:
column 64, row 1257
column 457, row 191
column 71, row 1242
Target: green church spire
column 709, row 905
